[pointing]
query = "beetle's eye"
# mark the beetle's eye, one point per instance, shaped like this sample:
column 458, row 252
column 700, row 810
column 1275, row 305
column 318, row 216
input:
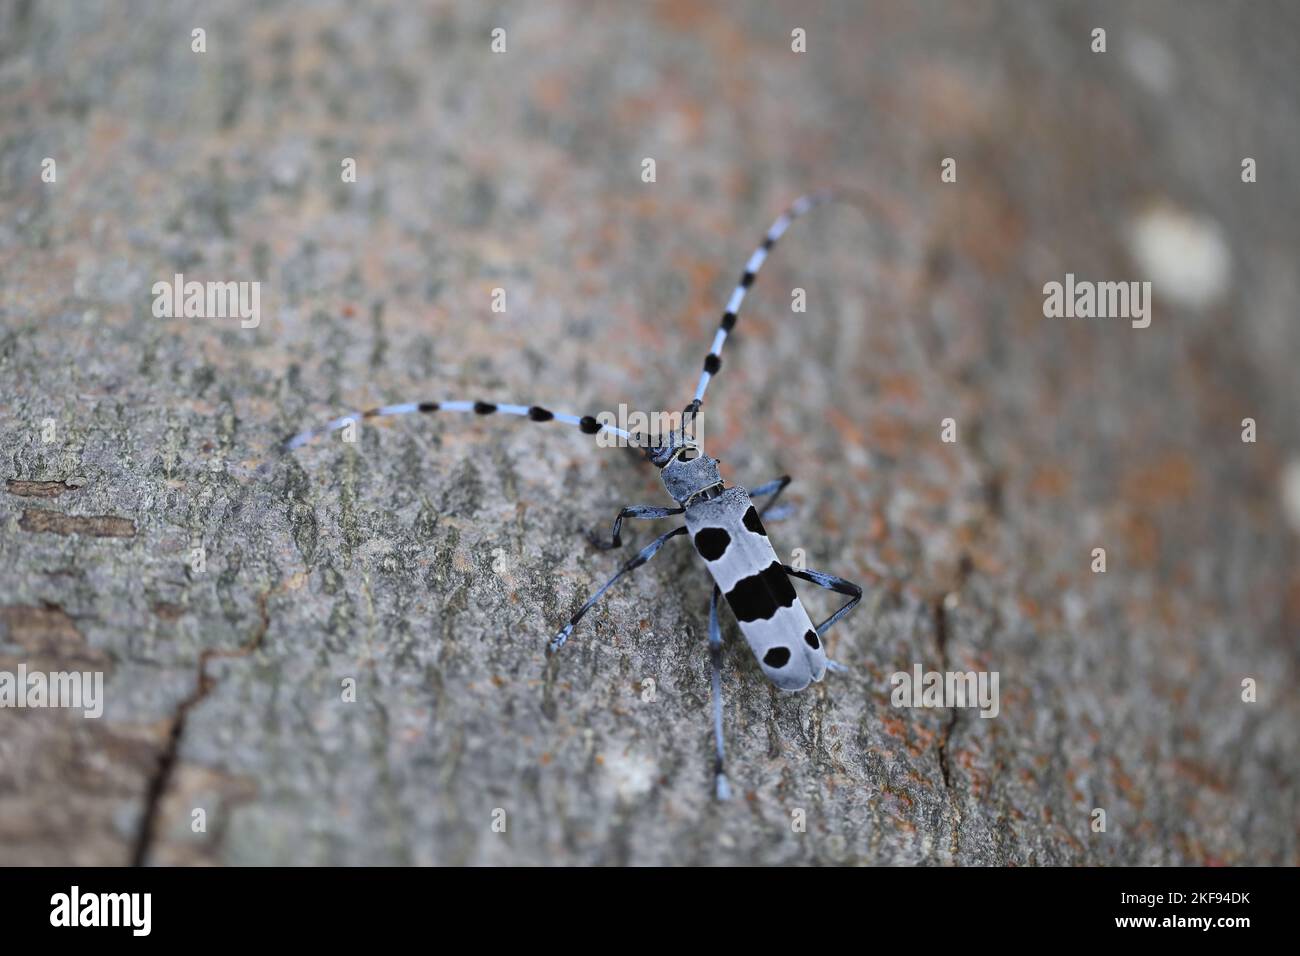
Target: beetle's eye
column 689, row 454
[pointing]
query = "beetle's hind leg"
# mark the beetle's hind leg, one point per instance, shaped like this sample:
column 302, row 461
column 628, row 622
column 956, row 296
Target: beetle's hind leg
column 721, row 787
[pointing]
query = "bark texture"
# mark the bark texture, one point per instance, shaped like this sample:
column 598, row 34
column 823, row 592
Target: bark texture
column 430, row 561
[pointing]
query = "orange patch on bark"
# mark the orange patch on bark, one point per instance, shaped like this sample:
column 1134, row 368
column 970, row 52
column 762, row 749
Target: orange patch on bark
column 1049, row 481
column 1166, row 480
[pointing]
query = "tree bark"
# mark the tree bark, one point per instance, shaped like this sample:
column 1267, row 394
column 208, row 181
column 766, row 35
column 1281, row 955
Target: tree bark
column 424, row 567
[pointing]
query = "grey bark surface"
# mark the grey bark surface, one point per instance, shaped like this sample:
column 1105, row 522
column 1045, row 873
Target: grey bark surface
column 431, row 560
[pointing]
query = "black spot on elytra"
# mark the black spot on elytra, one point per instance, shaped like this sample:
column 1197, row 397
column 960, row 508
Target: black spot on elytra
column 712, row 543
column 752, row 522
column 777, row 657
column 757, row 597
column 810, row 638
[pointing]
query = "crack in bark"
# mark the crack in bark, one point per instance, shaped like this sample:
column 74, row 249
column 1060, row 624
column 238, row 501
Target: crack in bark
column 161, row 779
column 41, row 489
column 38, row 520
column 941, row 639
column 940, row 612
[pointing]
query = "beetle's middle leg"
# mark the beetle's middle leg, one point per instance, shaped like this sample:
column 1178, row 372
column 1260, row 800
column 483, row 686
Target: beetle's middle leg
column 631, row 511
column 642, row 556
column 831, row 583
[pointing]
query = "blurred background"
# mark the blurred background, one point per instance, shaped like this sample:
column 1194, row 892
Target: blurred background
column 429, row 562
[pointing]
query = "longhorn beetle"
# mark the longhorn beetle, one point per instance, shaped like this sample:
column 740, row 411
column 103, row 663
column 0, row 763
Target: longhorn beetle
column 725, row 527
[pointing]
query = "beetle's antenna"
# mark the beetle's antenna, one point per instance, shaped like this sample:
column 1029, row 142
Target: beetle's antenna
column 536, row 413
column 805, row 203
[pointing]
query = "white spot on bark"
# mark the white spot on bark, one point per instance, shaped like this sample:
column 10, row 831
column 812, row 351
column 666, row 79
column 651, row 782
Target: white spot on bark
column 1151, row 63
column 1184, row 256
column 1291, row 493
column 631, row 774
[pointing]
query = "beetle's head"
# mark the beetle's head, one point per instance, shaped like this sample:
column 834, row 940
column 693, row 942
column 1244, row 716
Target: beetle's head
column 684, row 468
